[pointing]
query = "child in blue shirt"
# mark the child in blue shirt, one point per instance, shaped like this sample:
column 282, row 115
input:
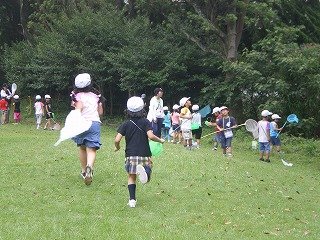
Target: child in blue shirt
column 166, row 124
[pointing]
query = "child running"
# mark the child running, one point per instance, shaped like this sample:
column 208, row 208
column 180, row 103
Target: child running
column 196, row 126
column 16, row 111
column 274, row 132
column 87, row 100
column 225, row 125
column 186, row 118
column 137, row 130
column 264, row 136
column 39, row 110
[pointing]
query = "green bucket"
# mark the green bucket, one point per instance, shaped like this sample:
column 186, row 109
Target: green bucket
column 156, row 148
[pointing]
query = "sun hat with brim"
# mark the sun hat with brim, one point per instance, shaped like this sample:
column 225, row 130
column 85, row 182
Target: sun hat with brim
column 183, row 101
column 47, row 96
column 16, row 96
column 165, row 108
column 38, row 97
column 215, row 110
column 275, row 116
column 223, row 107
column 195, row 107
column 175, row 107
column 135, row 104
column 266, row 113
column 82, row 80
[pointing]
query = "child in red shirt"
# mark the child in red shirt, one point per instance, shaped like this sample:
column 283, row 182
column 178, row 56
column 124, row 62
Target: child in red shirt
column 3, row 109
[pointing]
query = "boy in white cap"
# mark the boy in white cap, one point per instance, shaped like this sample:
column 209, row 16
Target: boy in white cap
column 225, row 125
column 48, row 110
column 137, row 130
column 87, row 101
column 196, row 126
column 274, row 132
column 264, row 136
column 186, row 117
column 16, row 110
column 39, row 110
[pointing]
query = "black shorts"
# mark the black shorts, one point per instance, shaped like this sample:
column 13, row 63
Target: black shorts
column 49, row 115
column 197, row 133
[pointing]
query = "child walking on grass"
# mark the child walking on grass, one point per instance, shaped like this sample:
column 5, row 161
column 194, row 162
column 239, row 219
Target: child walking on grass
column 196, row 125
column 137, row 130
column 274, row 132
column 87, row 100
column 264, row 136
column 186, row 118
column 175, row 119
column 39, row 110
column 16, row 111
column 225, row 125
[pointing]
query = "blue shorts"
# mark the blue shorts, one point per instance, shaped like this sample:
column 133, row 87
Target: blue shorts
column 89, row 138
column 275, row 141
column 225, row 142
column 176, row 127
column 216, row 138
column 264, row 147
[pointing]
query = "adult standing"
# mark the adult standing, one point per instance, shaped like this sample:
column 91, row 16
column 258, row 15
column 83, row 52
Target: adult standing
column 156, row 114
column 7, row 94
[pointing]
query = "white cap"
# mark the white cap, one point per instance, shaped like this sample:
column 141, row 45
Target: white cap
column 82, row 80
column 16, row 96
column 275, row 116
column 195, row 107
column 165, row 108
column 183, row 101
column 215, row 110
column 266, row 113
column 175, row 107
column 223, row 107
column 38, row 97
column 135, row 104
column 3, row 94
column 47, row 96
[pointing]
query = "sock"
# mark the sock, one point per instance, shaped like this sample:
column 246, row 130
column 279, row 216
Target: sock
column 148, row 172
column 132, row 191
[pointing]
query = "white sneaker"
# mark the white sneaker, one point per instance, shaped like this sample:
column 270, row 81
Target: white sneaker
column 132, row 203
column 141, row 172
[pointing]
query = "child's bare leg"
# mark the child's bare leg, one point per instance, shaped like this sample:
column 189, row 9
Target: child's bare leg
column 91, row 156
column 83, row 158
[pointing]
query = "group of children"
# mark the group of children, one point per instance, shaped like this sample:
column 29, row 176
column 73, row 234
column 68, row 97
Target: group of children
column 5, row 103
column 43, row 109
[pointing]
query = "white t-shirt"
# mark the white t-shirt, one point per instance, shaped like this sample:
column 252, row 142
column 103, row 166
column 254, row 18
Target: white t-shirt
column 264, row 129
column 196, row 118
column 185, row 122
column 38, row 107
column 90, row 105
column 155, row 109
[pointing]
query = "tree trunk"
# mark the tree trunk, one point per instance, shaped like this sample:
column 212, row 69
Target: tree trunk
column 24, row 20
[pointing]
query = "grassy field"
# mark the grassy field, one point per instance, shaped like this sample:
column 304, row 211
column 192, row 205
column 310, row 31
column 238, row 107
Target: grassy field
column 195, row 194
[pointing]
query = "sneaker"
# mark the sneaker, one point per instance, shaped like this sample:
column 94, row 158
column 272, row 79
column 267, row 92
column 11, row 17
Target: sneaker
column 267, row 160
column 132, row 203
column 214, row 149
column 141, row 172
column 261, row 159
column 229, row 155
column 88, row 177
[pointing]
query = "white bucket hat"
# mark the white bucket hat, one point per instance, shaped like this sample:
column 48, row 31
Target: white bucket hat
column 275, row 116
column 82, row 80
column 16, row 96
column 135, row 104
column 38, row 97
column 195, row 107
column 175, row 107
column 183, row 101
column 222, row 108
column 165, row 108
column 47, row 96
column 215, row 110
column 266, row 113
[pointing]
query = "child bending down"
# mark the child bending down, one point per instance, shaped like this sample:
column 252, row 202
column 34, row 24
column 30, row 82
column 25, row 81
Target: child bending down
column 137, row 130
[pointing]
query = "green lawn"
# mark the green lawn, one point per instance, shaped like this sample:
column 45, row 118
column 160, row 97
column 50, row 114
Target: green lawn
column 195, row 194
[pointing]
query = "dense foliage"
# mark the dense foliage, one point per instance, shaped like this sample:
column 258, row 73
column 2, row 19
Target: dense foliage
column 249, row 55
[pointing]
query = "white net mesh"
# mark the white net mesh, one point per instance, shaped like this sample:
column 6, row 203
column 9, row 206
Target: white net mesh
column 251, row 125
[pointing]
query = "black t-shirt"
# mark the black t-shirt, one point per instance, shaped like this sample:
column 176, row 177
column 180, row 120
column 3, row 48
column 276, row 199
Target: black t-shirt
column 137, row 143
column 48, row 104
